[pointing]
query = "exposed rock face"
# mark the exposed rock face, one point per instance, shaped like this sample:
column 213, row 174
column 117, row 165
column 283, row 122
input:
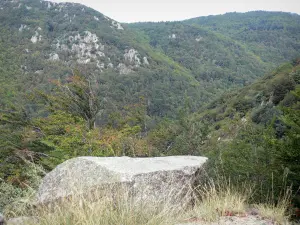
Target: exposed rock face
column 147, row 178
column 70, row 45
column 35, row 38
column 84, row 48
column 199, row 39
column 173, row 36
column 23, row 27
column 132, row 56
column 123, row 69
column 116, row 25
column 145, row 60
column 54, row 57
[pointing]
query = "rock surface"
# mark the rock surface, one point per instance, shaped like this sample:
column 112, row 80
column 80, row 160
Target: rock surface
column 147, row 178
column 235, row 220
column 24, row 220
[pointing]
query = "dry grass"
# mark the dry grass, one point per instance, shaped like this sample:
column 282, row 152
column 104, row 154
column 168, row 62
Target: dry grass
column 276, row 211
column 119, row 207
column 221, row 199
column 107, row 208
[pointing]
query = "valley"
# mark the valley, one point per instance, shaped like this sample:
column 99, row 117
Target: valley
column 74, row 82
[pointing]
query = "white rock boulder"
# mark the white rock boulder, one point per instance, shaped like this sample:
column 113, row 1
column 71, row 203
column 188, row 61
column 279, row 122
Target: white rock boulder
column 148, row 179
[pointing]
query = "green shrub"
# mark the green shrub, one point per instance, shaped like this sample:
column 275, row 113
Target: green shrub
column 8, row 194
column 263, row 114
column 14, row 198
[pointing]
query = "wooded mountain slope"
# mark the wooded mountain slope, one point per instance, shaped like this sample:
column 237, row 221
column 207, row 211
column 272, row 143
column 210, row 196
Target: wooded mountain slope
column 77, row 83
column 228, row 49
column 166, row 62
column 42, row 41
column 254, row 132
column 272, row 36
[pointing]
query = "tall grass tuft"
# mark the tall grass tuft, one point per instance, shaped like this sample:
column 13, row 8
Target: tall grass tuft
column 108, row 208
column 221, row 198
column 277, row 210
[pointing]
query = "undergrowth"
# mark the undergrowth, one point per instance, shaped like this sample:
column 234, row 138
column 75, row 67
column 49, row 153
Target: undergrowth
column 218, row 199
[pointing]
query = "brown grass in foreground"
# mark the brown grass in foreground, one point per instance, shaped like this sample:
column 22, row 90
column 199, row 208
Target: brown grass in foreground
column 111, row 207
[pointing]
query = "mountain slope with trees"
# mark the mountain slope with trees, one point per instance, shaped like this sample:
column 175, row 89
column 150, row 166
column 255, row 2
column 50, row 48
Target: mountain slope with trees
column 255, row 132
column 250, row 135
column 234, row 48
column 273, row 36
column 77, row 83
column 42, row 40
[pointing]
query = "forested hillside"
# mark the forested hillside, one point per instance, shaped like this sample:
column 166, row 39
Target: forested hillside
column 41, row 41
column 229, row 49
column 272, row 36
column 77, row 83
column 255, row 132
column 164, row 62
column 250, row 135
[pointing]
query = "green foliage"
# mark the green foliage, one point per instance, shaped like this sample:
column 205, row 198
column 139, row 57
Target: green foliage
column 65, row 134
column 11, row 195
column 8, row 194
column 203, row 60
column 78, row 96
column 230, row 49
column 262, row 114
column 16, row 144
column 214, row 59
column 257, row 100
column 249, row 158
column 288, row 148
column 26, row 65
column 264, row 153
column 184, row 136
column 157, row 109
column 271, row 36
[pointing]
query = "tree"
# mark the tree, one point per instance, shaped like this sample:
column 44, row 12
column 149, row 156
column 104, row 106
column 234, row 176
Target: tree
column 184, row 136
column 19, row 143
column 288, row 148
column 78, row 95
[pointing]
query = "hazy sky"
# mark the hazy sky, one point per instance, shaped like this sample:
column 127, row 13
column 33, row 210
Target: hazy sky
column 166, row 10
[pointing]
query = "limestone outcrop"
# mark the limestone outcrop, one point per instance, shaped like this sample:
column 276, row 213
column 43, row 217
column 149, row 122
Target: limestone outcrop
column 147, row 179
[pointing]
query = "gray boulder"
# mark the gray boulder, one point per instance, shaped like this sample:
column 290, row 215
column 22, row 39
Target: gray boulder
column 149, row 179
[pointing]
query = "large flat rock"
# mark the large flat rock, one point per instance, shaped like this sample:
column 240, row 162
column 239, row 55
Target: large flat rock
column 146, row 178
